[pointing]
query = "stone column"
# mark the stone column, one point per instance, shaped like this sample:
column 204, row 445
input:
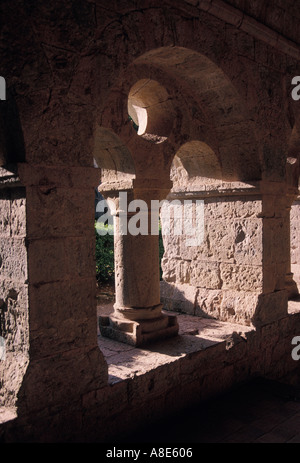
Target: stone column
column 295, row 239
column 291, row 285
column 138, row 318
column 65, row 361
column 278, row 283
column 14, row 316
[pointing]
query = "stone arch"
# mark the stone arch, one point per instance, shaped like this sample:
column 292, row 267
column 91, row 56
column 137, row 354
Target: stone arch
column 194, row 165
column 192, row 116
column 206, row 106
column 114, row 159
column 150, row 109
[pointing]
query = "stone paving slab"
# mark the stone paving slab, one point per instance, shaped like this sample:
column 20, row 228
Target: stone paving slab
column 195, row 334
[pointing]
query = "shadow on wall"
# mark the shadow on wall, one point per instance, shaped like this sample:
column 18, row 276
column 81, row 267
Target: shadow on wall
column 182, row 300
column 12, row 148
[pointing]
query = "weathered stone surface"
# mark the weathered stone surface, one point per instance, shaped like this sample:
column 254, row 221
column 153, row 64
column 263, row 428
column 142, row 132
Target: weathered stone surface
column 62, row 212
column 226, row 305
column 66, row 259
column 225, row 117
column 5, row 218
column 13, row 213
column 18, row 213
column 13, row 259
column 14, row 318
column 295, row 241
column 179, row 298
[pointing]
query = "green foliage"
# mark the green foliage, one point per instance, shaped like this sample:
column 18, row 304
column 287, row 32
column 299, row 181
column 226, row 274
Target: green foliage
column 104, row 254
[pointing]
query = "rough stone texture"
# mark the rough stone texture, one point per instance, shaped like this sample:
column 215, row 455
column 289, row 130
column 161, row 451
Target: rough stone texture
column 208, row 358
column 281, row 16
column 295, row 241
column 13, row 293
column 230, row 121
column 226, row 273
column 245, row 251
column 62, row 289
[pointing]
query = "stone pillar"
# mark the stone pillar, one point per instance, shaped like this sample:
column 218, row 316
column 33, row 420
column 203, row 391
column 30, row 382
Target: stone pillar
column 295, row 239
column 277, row 211
column 291, row 285
column 138, row 318
column 14, row 317
column 65, row 361
column 278, row 279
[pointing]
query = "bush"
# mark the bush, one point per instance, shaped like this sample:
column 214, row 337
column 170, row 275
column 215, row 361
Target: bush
column 104, row 254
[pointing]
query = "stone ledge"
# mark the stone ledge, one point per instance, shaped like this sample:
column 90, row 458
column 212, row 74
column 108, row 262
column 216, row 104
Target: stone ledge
column 7, row 414
column 195, row 335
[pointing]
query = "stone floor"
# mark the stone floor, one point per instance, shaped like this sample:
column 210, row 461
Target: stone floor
column 259, row 412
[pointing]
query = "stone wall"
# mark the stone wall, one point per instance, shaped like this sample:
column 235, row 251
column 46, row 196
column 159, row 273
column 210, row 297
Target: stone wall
column 216, row 278
column 242, row 261
column 14, row 323
column 280, row 15
column 70, row 67
column 181, row 373
column 295, row 241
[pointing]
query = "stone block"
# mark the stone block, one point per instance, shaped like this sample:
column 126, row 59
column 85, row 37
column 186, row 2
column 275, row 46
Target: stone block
column 227, row 305
column 61, row 259
column 4, row 217
column 231, row 208
column 270, row 308
column 62, row 315
column 206, row 275
column 248, row 242
column 61, row 212
column 180, row 298
column 238, row 307
column 241, row 277
column 59, row 379
column 13, row 259
column 18, row 213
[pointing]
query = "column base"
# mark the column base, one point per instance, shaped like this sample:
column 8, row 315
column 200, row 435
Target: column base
column 139, row 333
